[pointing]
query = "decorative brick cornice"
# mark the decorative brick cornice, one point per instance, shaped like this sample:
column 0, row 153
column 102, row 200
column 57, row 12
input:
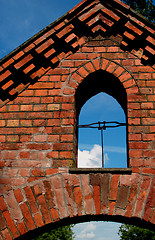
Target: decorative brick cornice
column 90, row 18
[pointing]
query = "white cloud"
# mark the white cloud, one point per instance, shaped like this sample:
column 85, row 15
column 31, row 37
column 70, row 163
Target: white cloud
column 114, row 149
column 86, row 235
column 89, row 227
column 91, row 158
column 97, row 230
column 87, row 232
column 106, row 158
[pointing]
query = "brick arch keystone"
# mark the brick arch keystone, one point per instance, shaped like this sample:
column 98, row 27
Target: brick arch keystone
column 91, row 66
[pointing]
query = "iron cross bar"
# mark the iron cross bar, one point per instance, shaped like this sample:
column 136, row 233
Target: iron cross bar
column 102, row 126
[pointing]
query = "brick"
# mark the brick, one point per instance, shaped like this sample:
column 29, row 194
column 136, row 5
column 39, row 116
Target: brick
column 148, row 121
column 29, row 68
column 18, row 55
column 133, row 28
column 38, row 146
column 148, row 171
column 83, row 72
column 54, row 214
column 89, row 66
column 2, row 223
column 38, row 172
column 87, row 193
column 11, row 224
column 27, row 216
column 150, row 50
column 26, row 122
column 22, row 228
column 51, row 171
column 40, row 138
column 66, row 138
column 14, row 207
column 96, row 63
column 9, row 155
column 147, row 105
column 111, row 67
column 53, row 122
column 66, row 154
column 44, row 209
column 19, row 196
column 122, row 197
column 128, row 35
column 49, row 194
column 78, row 199
column 7, row 63
column 2, row 123
column 45, row 45
column 3, row 204
column 104, row 64
column 29, row 47
column 124, row 76
column 56, row 182
column 38, row 220
column 113, row 49
column 23, row 61
column 68, row 190
column 140, row 203
column 6, row 234
column 118, row 71
column 113, row 187
column 5, row 75
column 68, row 91
column 97, row 199
column 31, row 199
column 53, row 107
column 110, row 13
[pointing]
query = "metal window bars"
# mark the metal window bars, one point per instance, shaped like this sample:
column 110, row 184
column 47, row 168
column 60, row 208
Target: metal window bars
column 102, row 126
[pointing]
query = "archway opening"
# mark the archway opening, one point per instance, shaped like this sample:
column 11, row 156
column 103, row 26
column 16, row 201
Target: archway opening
column 101, row 97
column 89, row 227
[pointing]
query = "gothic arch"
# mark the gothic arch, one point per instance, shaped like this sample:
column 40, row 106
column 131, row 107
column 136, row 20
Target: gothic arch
column 91, row 66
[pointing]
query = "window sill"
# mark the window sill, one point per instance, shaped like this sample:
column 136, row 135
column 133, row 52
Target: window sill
column 101, row 170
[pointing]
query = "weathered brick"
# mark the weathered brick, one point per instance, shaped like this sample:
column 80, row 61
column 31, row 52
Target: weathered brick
column 38, row 220
column 2, row 223
column 11, row 224
column 122, row 197
column 44, row 208
column 56, row 181
column 19, row 196
column 31, row 199
column 14, row 207
column 113, row 187
column 27, row 216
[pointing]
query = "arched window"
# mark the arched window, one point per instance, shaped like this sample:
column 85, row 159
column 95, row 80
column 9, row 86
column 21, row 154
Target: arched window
column 101, row 98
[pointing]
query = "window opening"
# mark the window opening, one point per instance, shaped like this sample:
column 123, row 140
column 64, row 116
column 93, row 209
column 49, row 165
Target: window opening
column 103, row 148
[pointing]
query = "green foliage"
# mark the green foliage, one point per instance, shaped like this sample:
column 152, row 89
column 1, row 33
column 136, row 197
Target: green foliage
column 144, row 7
column 61, row 233
column 129, row 232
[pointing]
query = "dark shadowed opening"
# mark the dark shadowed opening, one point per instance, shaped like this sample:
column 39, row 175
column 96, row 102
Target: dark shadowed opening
column 99, row 82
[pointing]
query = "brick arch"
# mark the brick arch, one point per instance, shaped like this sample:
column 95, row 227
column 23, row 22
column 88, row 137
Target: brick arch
column 76, row 198
column 109, row 66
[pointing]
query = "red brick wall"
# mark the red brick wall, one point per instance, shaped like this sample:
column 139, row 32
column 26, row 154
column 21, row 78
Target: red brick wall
column 38, row 145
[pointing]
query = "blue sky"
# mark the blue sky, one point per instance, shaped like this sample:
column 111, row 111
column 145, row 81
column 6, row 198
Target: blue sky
column 19, row 21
